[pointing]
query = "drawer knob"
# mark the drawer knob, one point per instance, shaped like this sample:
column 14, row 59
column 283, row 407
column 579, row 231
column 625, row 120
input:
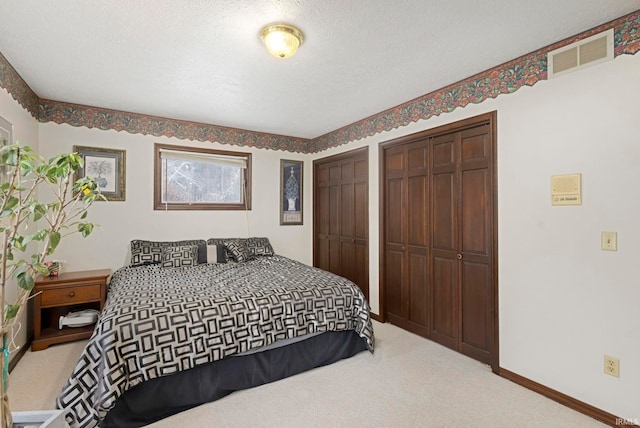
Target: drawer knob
column 72, row 294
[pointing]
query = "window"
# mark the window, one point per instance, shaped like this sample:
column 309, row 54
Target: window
column 189, row 178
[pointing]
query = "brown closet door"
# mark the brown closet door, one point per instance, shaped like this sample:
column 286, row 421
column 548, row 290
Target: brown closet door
column 395, row 160
column 326, row 217
column 438, row 257
column 444, row 243
column 406, row 240
column 341, row 207
column 462, row 241
column 321, row 216
column 475, row 216
column 359, row 271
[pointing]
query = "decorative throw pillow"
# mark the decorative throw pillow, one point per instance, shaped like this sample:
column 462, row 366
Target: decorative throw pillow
column 150, row 252
column 216, row 254
column 202, row 253
column 259, row 247
column 185, row 255
column 238, row 249
column 222, row 243
column 218, row 241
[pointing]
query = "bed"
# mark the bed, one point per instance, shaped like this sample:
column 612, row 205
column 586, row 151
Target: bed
column 180, row 329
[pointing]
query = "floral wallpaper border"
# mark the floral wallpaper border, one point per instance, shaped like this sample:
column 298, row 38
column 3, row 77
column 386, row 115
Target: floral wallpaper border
column 17, row 87
column 134, row 123
column 526, row 70
column 503, row 79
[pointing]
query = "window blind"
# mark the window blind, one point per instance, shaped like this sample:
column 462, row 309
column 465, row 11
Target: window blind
column 237, row 161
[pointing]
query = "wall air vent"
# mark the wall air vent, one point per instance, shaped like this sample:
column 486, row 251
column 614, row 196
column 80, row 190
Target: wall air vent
column 583, row 53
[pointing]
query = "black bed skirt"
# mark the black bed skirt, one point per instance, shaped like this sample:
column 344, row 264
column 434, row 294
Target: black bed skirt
column 168, row 395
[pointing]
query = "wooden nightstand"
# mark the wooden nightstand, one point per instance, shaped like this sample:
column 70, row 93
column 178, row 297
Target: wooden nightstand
column 58, row 295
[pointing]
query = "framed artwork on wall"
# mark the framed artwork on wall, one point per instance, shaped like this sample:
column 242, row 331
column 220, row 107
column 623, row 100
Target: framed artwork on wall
column 107, row 167
column 6, row 138
column 291, row 192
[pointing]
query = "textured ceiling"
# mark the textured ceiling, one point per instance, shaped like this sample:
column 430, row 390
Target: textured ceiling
column 203, row 61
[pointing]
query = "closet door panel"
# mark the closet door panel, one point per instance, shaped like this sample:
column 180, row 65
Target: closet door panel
column 476, row 317
column 445, row 306
column 394, row 275
column 321, row 219
column 360, row 234
column 346, row 210
column 347, row 254
column 335, row 264
column 417, row 242
column 361, row 210
column 417, row 297
column 347, row 267
column 395, row 210
column 394, row 245
column 417, row 204
column 475, row 146
column 474, row 212
column 443, row 153
column 361, row 263
column 443, row 232
column 476, row 244
column 417, row 158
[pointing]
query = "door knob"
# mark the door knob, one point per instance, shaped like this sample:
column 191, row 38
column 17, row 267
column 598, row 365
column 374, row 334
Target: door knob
column 459, row 256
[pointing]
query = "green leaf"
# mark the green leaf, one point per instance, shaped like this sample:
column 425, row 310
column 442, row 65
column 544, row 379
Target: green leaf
column 25, row 281
column 11, row 202
column 54, row 206
column 37, row 236
column 84, row 215
column 39, row 211
column 10, row 157
column 85, row 229
column 41, row 268
column 18, row 243
column 11, row 311
column 54, row 240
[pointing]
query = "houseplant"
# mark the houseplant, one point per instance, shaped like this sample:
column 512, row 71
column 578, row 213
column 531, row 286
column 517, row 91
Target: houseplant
column 29, row 225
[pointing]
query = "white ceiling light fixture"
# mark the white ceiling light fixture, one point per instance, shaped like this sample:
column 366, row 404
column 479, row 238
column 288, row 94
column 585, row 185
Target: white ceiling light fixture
column 281, row 40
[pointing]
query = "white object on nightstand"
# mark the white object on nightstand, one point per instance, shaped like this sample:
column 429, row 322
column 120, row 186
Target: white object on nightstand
column 78, row 319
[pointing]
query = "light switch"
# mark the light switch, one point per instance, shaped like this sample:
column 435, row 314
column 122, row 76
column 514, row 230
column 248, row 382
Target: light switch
column 609, row 241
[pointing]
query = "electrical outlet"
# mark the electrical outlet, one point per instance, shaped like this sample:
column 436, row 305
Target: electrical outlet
column 611, row 366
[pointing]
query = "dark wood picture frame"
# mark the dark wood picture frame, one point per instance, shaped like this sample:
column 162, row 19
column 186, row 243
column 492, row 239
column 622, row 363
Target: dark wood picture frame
column 291, row 192
column 107, row 167
column 6, row 139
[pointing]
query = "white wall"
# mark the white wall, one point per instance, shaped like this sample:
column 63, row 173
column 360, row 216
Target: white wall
column 135, row 218
column 25, row 131
column 564, row 303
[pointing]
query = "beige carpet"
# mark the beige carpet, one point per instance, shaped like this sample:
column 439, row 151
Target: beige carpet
column 408, row 382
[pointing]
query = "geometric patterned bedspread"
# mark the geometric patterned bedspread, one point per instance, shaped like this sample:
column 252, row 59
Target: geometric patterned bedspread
column 158, row 321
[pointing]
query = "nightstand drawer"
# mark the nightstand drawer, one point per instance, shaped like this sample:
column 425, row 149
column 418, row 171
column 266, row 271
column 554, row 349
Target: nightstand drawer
column 70, row 295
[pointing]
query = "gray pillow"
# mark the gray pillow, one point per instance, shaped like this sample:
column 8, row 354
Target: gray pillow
column 259, row 247
column 238, row 250
column 150, row 252
column 215, row 254
column 185, row 255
